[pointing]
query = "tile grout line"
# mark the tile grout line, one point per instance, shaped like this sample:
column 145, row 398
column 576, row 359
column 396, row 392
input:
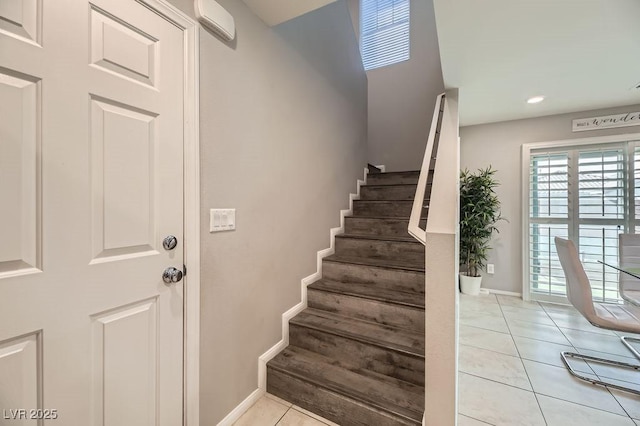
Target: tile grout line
column 586, row 406
column 478, row 420
column 562, row 366
column 575, row 349
column 547, row 341
column 491, row 350
column 570, row 344
column 591, row 368
column 484, row 328
column 496, row 381
column 616, row 399
column 281, row 417
column 487, row 329
column 544, row 394
column 305, row 414
column 523, row 366
column 551, row 365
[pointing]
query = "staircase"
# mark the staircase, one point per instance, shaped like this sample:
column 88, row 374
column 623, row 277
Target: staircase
column 356, row 354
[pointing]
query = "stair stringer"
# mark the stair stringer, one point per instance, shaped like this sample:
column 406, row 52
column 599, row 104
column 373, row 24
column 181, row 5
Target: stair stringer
column 235, row 414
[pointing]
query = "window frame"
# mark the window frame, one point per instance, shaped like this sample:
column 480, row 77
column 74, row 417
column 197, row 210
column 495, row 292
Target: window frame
column 630, row 140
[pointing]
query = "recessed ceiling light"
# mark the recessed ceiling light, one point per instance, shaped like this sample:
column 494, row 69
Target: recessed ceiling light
column 535, row 100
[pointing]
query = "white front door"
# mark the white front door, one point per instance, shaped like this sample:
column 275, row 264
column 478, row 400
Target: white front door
column 91, row 182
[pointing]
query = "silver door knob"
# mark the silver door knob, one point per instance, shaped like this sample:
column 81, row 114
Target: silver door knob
column 171, row 275
column 170, row 242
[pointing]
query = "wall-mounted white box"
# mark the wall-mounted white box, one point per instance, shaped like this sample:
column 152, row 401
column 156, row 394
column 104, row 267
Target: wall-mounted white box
column 222, row 220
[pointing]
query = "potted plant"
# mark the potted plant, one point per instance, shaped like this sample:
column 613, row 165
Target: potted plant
column 479, row 212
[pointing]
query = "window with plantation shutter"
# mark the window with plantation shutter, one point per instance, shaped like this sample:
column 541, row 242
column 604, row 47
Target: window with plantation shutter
column 384, row 32
column 601, row 217
column 581, row 193
column 548, row 218
column 635, row 211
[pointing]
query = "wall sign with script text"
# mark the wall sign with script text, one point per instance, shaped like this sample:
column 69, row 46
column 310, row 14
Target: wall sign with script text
column 607, row 122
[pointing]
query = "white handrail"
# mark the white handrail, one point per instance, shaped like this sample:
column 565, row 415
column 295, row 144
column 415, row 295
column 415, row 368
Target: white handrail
column 416, row 211
column 445, row 194
column 441, row 241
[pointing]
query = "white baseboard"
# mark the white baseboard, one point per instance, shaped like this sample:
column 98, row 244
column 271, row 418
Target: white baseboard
column 237, row 412
column 284, row 342
column 503, row 293
column 381, row 167
column 295, row 310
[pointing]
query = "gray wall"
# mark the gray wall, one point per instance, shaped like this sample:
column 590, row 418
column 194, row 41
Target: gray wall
column 283, row 115
column 402, row 97
column 499, row 145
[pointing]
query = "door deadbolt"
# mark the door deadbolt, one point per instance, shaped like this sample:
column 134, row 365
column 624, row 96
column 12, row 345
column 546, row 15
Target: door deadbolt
column 170, row 242
column 171, row 275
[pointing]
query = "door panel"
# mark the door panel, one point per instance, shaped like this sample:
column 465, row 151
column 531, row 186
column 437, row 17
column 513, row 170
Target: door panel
column 121, row 48
column 126, row 389
column 21, row 372
column 21, row 19
column 19, row 169
column 91, row 168
column 124, row 170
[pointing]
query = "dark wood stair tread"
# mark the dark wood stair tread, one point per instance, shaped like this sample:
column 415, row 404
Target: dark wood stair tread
column 407, row 239
column 393, row 178
column 400, row 209
column 384, row 336
column 408, row 172
column 405, row 219
column 377, row 185
column 369, row 291
column 394, row 396
column 381, row 263
column 387, row 201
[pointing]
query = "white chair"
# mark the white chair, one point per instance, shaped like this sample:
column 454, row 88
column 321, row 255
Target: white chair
column 629, row 257
column 624, row 318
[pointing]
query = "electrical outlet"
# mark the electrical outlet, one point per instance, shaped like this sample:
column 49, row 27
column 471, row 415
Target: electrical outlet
column 222, row 220
column 490, row 268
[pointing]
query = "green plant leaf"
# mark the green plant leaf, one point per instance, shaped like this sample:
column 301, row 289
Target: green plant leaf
column 479, row 212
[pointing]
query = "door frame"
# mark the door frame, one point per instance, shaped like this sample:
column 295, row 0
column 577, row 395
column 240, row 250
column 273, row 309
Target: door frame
column 191, row 313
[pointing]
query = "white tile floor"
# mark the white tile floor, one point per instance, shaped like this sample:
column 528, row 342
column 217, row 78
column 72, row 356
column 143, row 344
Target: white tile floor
column 511, row 372
column 271, row 410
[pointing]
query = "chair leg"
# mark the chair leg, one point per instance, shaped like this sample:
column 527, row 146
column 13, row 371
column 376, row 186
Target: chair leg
column 626, row 340
column 634, row 367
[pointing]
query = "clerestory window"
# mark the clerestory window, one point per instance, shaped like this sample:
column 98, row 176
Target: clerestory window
column 384, row 32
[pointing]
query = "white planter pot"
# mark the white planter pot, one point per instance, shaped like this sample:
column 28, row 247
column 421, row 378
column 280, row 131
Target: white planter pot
column 470, row 285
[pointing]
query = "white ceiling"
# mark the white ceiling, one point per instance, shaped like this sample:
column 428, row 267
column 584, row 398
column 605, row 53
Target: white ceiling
column 274, row 12
column 579, row 54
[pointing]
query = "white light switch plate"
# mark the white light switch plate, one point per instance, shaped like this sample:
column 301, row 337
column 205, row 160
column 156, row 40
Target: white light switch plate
column 222, row 220
column 490, row 268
